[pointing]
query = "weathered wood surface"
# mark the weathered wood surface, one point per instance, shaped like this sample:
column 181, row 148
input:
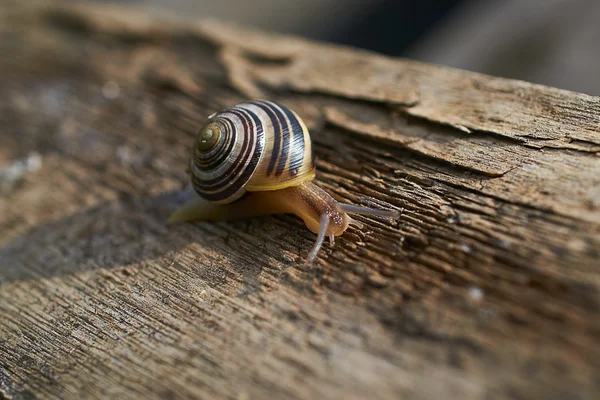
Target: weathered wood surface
column 488, row 286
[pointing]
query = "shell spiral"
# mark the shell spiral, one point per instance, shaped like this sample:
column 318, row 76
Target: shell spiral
column 258, row 145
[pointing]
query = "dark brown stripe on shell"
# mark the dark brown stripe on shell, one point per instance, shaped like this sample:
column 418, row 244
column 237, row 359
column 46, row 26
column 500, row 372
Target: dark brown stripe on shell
column 277, row 120
column 297, row 144
column 220, row 156
column 285, row 148
column 242, row 175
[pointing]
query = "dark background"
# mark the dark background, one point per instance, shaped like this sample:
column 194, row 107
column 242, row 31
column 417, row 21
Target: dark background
column 552, row 42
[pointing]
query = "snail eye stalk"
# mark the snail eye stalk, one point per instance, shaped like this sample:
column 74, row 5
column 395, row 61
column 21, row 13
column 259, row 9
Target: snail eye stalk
column 352, row 209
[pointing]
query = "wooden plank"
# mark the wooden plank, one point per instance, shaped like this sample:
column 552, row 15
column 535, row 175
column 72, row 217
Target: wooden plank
column 486, row 288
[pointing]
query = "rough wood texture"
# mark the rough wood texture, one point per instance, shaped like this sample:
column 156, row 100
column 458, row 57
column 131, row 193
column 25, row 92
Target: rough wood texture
column 488, row 286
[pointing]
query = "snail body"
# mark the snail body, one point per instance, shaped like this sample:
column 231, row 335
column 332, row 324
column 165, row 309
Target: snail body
column 256, row 158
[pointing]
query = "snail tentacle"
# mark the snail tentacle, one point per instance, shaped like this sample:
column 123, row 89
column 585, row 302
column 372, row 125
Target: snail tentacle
column 324, row 224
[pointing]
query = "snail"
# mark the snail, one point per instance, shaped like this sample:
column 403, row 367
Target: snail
column 256, row 158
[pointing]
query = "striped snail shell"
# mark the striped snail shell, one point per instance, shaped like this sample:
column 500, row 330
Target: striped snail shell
column 254, row 146
column 262, row 149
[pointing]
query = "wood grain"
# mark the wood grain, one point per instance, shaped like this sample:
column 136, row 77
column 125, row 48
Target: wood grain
column 488, row 286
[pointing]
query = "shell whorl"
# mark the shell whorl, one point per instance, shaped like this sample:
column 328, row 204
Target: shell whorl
column 253, row 146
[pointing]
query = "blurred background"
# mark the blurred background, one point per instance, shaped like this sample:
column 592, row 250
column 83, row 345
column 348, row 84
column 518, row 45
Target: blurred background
column 551, row 42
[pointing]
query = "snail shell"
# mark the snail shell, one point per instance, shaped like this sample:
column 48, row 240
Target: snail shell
column 254, row 146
